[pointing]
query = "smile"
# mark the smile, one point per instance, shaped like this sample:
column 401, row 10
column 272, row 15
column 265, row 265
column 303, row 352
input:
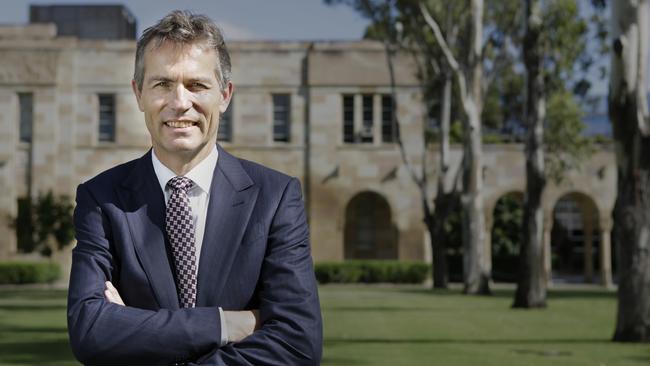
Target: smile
column 180, row 124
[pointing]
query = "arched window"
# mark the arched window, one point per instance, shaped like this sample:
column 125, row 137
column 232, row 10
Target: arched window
column 369, row 231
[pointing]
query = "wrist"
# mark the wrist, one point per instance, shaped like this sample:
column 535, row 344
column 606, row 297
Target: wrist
column 224, row 328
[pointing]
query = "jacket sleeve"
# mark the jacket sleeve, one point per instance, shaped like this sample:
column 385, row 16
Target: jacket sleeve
column 102, row 333
column 291, row 331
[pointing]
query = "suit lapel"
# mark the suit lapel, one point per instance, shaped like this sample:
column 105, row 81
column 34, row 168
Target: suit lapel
column 232, row 198
column 145, row 213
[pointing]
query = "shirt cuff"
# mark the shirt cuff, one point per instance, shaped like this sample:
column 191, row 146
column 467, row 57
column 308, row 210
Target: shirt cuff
column 224, row 329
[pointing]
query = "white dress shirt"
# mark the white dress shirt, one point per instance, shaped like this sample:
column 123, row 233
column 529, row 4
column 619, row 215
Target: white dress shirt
column 199, row 197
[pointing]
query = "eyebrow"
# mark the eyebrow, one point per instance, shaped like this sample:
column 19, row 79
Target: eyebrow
column 158, row 78
column 200, row 80
column 192, row 80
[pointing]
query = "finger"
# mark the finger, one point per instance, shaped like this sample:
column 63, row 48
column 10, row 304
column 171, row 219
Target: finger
column 109, row 285
column 115, row 295
column 109, row 296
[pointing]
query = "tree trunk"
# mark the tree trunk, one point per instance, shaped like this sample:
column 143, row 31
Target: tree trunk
column 475, row 273
column 443, row 195
column 628, row 113
column 531, row 286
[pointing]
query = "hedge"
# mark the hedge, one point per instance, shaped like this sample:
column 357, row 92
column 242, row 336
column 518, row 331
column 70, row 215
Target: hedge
column 371, row 271
column 29, row 272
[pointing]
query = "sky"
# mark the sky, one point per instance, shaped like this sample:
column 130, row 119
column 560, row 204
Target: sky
column 239, row 19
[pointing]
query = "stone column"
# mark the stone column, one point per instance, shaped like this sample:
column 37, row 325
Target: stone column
column 588, row 244
column 548, row 226
column 606, row 253
column 488, row 242
column 9, row 137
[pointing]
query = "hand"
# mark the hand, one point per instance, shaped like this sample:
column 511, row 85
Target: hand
column 241, row 324
column 111, row 294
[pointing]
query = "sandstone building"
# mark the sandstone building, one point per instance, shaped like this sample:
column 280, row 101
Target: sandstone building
column 319, row 111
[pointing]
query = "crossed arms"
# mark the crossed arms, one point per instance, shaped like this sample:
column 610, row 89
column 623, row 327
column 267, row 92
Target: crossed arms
column 105, row 332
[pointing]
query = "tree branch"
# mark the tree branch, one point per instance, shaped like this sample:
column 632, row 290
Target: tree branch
column 439, row 37
column 449, row 56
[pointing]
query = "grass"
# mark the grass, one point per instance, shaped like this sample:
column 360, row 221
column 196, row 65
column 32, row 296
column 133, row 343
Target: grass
column 33, row 328
column 388, row 325
column 367, row 325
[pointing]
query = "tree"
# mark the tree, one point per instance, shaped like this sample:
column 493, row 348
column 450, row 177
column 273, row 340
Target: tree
column 531, row 287
column 437, row 85
column 554, row 41
column 628, row 112
column 49, row 218
column 478, row 61
column 469, row 76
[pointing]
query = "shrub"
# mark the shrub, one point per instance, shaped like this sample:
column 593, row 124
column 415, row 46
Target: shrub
column 29, row 272
column 45, row 224
column 371, row 271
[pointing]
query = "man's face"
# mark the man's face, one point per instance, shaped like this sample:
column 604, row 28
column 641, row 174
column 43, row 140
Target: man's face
column 181, row 98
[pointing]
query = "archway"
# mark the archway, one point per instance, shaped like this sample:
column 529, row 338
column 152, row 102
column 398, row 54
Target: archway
column 506, row 236
column 369, row 230
column 575, row 239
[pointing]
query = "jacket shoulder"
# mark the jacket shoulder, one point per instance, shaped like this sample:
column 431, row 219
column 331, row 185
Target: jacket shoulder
column 102, row 184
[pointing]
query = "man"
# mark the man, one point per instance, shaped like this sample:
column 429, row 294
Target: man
column 189, row 255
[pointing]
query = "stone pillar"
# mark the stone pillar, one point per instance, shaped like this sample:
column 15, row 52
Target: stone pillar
column 9, row 137
column 588, row 245
column 488, row 243
column 606, row 254
column 548, row 226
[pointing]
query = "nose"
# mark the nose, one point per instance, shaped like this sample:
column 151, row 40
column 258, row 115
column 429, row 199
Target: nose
column 181, row 99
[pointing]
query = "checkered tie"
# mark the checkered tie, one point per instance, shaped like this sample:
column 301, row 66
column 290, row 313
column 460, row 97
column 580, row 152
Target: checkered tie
column 180, row 230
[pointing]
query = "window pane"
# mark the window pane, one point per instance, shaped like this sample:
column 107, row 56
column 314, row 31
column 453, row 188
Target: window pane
column 348, row 118
column 367, row 122
column 281, row 117
column 225, row 125
column 26, row 102
column 106, row 117
column 387, row 126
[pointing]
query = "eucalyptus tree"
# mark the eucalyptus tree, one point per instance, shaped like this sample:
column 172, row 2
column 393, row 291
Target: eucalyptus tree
column 554, row 48
column 628, row 112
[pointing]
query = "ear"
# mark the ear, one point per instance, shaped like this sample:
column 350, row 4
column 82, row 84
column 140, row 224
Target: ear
column 138, row 94
column 226, row 95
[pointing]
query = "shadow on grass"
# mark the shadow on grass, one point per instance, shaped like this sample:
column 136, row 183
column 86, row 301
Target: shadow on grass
column 36, row 353
column 33, row 307
column 341, row 361
column 645, row 359
column 378, row 308
column 508, row 293
column 343, row 341
column 33, row 294
column 8, row 330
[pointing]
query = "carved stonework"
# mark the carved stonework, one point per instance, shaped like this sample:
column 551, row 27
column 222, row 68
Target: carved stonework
column 28, row 67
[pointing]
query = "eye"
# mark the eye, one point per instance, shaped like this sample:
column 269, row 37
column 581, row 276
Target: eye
column 198, row 86
column 161, row 84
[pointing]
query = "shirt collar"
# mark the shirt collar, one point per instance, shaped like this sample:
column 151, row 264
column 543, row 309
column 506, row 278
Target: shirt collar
column 201, row 174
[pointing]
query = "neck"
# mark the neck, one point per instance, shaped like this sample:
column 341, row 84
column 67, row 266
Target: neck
column 182, row 163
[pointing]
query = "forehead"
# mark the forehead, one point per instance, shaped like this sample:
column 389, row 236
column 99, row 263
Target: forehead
column 167, row 54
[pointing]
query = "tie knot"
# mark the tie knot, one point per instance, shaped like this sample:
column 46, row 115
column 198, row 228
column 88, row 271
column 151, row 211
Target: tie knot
column 180, row 183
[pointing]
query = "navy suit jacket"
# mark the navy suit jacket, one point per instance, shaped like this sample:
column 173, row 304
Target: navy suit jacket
column 255, row 255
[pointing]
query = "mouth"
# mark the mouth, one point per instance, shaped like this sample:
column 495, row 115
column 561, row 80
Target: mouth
column 180, row 124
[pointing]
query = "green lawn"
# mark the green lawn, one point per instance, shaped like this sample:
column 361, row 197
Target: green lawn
column 388, row 325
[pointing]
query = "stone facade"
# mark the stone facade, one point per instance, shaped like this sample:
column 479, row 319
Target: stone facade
column 66, row 76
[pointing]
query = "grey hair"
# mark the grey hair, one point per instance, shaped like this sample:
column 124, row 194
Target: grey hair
column 183, row 27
